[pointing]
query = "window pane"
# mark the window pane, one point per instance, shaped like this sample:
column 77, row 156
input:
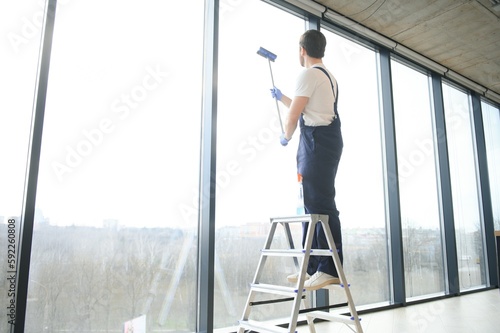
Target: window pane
column 465, row 188
column 116, row 235
column 360, row 178
column 418, row 187
column 491, row 123
column 20, row 26
column 256, row 176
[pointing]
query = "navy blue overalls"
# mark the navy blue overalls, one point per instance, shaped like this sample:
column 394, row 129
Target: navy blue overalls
column 318, row 156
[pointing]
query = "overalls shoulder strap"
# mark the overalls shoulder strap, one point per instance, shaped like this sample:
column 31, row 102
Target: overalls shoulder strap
column 333, row 89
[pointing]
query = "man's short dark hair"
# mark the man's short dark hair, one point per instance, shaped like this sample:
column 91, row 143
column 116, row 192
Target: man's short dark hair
column 314, row 42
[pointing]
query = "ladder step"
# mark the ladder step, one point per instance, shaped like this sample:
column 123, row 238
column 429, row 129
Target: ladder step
column 295, row 252
column 284, row 252
column 319, row 252
column 331, row 317
column 262, row 327
column 335, row 286
column 272, row 301
column 274, row 289
column 291, row 219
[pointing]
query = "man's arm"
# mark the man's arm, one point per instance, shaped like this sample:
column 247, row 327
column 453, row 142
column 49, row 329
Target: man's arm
column 286, row 100
column 296, row 106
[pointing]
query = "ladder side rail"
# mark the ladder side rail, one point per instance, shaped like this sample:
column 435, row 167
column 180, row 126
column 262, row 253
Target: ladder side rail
column 305, row 253
column 257, row 276
column 310, row 324
column 303, row 269
column 262, row 260
column 340, row 271
column 289, row 239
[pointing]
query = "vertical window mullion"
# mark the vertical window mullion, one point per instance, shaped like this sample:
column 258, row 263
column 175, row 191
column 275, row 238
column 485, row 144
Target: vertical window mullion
column 28, row 217
column 445, row 186
column 487, row 209
column 394, row 209
column 206, row 236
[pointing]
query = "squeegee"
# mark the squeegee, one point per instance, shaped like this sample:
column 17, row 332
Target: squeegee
column 271, row 57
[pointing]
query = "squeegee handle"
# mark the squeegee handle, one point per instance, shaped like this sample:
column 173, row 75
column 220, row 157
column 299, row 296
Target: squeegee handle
column 279, row 117
column 277, row 106
column 271, row 71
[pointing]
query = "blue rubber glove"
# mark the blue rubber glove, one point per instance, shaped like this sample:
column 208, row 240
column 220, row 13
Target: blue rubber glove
column 276, row 93
column 283, row 140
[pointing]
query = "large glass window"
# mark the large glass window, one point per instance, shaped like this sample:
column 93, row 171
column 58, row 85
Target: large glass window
column 491, row 123
column 465, row 188
column 418, row 186
column 360, row 179
column 20, row 28
column 256, row 176
column 115, row 239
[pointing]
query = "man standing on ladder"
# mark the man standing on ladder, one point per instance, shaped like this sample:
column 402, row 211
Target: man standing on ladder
column 314, row 107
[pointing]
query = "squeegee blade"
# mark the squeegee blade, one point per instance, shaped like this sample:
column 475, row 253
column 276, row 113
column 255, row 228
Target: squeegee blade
column 266, row 54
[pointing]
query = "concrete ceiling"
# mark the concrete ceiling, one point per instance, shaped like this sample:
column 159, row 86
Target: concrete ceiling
column 461, row 35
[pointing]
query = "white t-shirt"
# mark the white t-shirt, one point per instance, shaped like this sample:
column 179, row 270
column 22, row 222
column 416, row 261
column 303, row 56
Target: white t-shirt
column 313, row 83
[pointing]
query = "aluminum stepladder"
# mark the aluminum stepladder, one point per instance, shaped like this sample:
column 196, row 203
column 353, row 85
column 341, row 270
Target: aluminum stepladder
column 297, row 293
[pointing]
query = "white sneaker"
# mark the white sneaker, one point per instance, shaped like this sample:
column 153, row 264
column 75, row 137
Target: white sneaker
column 319, row 280
column 295, row 277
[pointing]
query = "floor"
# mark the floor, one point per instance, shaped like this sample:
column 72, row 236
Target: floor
column 470, row 313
